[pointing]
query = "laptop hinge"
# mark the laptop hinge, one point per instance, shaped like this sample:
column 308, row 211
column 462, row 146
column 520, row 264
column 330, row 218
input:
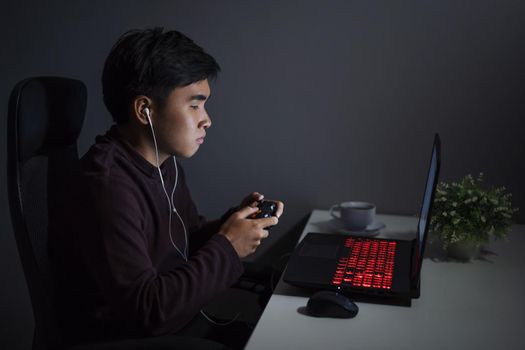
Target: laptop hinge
column 415, row 271
column 415, row 288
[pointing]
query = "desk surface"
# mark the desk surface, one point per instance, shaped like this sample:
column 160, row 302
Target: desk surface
column 476, row 305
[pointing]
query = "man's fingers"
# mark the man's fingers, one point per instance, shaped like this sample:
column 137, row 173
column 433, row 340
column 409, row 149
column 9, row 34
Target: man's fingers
column 269, row 221
column 244, row 212
column 252, row 199
column 255, row 245
column 257, row 196
column 280, row 209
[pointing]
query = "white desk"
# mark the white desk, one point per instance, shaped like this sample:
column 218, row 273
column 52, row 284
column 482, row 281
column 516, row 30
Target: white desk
column 476, row 305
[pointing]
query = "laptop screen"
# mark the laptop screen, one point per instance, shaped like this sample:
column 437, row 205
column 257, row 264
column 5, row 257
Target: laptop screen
column 428, row 198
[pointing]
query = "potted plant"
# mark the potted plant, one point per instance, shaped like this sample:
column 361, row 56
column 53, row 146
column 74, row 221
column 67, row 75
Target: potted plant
column 465, row 216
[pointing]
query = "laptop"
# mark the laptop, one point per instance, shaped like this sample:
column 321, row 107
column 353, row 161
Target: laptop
column 370, row 266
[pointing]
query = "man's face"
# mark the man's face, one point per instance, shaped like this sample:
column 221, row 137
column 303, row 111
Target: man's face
column 181, row 125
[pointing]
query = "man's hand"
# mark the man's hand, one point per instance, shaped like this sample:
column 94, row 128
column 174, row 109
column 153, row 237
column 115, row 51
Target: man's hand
column 252, row 199
column 244, row 234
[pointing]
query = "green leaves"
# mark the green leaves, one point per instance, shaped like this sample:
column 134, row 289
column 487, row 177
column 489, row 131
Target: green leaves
column 464, row 211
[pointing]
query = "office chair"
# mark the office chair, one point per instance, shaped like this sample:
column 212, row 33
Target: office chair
column 44, row 121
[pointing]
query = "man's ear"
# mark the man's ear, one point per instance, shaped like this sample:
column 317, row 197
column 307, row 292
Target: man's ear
column 140, row 103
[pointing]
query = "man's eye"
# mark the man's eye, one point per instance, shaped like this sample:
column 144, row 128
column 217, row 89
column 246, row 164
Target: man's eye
column 194, row 107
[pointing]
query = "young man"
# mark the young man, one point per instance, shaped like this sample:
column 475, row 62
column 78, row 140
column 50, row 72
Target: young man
column 131, row 255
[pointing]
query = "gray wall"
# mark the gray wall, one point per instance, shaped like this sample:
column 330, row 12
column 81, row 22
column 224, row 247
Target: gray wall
column 318, row 102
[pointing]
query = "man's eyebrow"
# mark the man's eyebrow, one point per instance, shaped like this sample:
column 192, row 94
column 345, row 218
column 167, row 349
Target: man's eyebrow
column 199, row 98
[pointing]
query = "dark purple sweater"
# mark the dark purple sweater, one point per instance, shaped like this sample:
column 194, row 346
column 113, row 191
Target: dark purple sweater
column 117, row 270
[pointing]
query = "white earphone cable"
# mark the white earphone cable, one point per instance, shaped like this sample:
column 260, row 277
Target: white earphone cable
column 220, row 323
column 170, row 201
column 175, row 209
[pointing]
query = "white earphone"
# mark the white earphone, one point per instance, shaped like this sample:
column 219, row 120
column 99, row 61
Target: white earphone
column 146, row 110
column 171, row 203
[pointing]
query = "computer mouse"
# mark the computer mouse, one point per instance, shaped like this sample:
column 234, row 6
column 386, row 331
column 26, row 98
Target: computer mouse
column 331, row 304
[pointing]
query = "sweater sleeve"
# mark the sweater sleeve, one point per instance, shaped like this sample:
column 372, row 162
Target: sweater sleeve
column 114, row 249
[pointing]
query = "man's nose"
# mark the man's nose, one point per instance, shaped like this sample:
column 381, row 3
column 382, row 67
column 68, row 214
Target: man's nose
column 206, row 123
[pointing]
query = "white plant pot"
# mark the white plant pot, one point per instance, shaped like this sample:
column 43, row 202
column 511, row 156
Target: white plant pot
column 464, row 251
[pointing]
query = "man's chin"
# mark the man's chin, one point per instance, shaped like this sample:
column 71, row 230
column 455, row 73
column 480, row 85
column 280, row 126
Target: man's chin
column 186, row 154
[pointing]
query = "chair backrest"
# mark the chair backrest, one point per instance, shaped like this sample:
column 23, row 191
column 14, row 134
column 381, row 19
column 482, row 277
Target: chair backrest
column 44, row 121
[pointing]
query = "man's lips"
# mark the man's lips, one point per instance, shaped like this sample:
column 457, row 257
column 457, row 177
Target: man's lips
column 200, row 140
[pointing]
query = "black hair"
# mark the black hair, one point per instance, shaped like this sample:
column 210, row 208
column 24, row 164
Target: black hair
column 152, row 63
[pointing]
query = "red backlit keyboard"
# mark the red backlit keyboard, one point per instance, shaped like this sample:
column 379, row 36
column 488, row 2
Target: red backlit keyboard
column 369, row 264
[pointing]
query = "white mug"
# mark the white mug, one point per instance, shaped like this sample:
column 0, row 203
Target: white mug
column 354, row 215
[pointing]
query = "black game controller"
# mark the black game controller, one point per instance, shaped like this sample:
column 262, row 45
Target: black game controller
column 266, row 209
